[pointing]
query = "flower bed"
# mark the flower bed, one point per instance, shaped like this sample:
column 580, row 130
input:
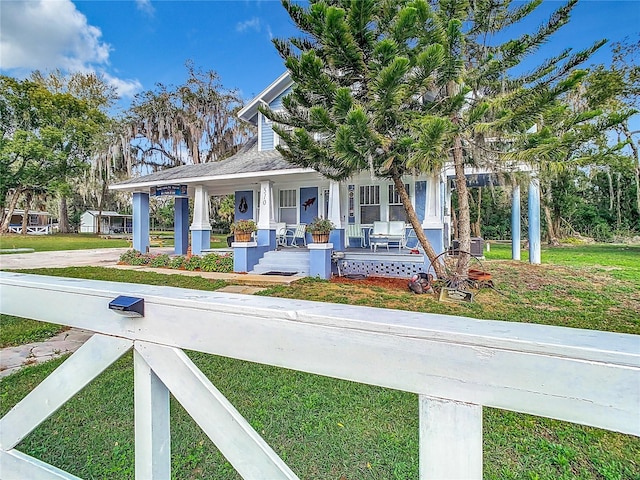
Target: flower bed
column 211, row 262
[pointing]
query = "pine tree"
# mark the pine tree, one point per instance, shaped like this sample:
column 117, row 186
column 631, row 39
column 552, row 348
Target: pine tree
column 398, row 86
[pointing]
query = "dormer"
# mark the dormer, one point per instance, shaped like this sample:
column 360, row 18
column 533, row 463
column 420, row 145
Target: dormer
column 271, row 96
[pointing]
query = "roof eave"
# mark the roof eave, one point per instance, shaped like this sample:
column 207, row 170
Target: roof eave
column 206, row 179
column 249, row 112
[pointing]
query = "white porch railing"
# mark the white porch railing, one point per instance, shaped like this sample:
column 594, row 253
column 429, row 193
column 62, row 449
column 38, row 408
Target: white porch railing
column 456, row 365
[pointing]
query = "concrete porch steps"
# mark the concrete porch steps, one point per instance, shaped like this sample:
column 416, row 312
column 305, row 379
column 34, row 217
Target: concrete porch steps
column 284, row 260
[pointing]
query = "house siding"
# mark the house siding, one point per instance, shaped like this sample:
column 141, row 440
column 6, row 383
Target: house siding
column 267, row 135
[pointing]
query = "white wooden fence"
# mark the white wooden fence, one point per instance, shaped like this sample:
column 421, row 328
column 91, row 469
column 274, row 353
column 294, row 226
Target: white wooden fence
column 456, row 365
column 31, row 229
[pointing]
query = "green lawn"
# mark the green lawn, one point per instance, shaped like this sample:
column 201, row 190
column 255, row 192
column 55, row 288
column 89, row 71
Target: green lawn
column 81, row 241
column 331, row 429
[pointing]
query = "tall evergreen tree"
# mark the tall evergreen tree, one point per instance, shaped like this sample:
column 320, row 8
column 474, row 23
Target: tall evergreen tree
column 398, row 86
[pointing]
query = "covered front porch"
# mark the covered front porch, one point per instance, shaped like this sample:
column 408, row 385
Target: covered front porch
column 277, row 195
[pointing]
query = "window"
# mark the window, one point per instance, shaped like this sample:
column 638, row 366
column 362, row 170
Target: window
column 289, row 206
column 369, row 203
column 396, row 209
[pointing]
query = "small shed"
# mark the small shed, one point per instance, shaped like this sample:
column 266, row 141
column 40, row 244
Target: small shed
column 111, row 222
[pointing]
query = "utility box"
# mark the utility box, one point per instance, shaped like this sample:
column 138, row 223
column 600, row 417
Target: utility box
column 477, row 246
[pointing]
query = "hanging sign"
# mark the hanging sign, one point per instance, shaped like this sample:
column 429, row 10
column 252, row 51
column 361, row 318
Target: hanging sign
column 161, row 190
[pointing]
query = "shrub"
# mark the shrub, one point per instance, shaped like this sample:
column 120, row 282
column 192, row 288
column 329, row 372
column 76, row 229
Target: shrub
column 177, row 262
column 133, row 257
column 602, row 233
column 216, row 263
column 192, row 263
column 160, row 261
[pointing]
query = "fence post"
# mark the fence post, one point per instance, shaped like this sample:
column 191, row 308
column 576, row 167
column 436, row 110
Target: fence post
column 153, row 438
column 450, row 439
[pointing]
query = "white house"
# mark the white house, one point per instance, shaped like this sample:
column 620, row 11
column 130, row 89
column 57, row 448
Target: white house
column 111, row 222
column 274, row 192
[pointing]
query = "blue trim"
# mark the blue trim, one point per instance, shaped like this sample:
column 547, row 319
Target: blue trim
column 141, row 221
column 308, row 211
column 247, row 257
column 320, row 262
column 241, row 197
column 435, row 237
column 337, row 238
column 200, row 240
column 181, row 225
column 266, row 238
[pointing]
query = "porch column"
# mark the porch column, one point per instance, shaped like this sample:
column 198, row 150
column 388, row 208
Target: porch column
column 534, row 220
column 432, row 223
column 266, row 216
column 336, row 237
column 181, row 225
column 141, row 221
column 201, row 226
column 515, row 223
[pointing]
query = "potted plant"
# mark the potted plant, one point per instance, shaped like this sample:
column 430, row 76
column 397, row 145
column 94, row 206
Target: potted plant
column 319, row 229
column 242, row 230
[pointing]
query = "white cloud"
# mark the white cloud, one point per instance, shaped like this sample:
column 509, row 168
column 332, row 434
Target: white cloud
column 251, row 24
column 49, row 34
column 125, row 88
column 145, row 6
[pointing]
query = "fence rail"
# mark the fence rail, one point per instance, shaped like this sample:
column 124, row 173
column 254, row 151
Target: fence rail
column 456, row 365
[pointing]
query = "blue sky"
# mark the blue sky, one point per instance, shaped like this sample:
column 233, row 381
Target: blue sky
column 136, row 44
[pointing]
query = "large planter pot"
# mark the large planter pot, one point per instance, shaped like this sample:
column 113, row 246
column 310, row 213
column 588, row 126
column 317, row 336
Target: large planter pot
column 242, row 236
column 320, row 237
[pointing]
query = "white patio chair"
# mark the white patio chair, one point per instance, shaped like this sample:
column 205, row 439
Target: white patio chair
column 397, row 231
column 378, row 235
column 296, row 233
column 281, row 232
column 354, row 230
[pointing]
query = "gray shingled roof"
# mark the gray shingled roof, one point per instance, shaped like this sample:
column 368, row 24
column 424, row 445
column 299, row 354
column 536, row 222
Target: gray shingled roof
column 248, row 160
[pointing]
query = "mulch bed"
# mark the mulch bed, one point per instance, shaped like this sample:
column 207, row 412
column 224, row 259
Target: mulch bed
column 384, row 282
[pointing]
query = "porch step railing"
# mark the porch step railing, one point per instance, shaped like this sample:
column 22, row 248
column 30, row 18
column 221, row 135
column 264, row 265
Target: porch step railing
column 456, row 365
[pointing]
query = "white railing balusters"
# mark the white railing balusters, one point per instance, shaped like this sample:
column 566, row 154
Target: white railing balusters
column 456, row 365
column 152, row 430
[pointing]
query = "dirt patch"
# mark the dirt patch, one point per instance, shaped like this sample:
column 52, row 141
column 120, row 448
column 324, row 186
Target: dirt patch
column 389, row 283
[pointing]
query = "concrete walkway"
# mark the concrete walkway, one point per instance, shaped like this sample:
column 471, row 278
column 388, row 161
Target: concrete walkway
column 14, row 358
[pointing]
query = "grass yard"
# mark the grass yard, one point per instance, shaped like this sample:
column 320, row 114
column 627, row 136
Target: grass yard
column 83, row 241
column 331, row 429
column 18, row 331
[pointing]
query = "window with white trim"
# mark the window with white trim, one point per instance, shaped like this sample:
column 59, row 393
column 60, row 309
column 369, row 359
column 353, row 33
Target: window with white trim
column 396, row 209
column 369, row 203
column 288, row 206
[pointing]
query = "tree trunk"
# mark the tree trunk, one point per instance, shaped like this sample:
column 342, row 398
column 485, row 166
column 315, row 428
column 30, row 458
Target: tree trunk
column 63, row 220
column 552, row 232
column 636, row 156
column 25, row 217
column 12, row 206
column 464, row 215
column 552, row 237
column 618, row 201
column 611, row 194
column 475, row 226
column 417, row 227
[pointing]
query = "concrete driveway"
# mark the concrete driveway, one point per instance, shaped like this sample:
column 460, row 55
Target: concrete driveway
column 99, row 257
